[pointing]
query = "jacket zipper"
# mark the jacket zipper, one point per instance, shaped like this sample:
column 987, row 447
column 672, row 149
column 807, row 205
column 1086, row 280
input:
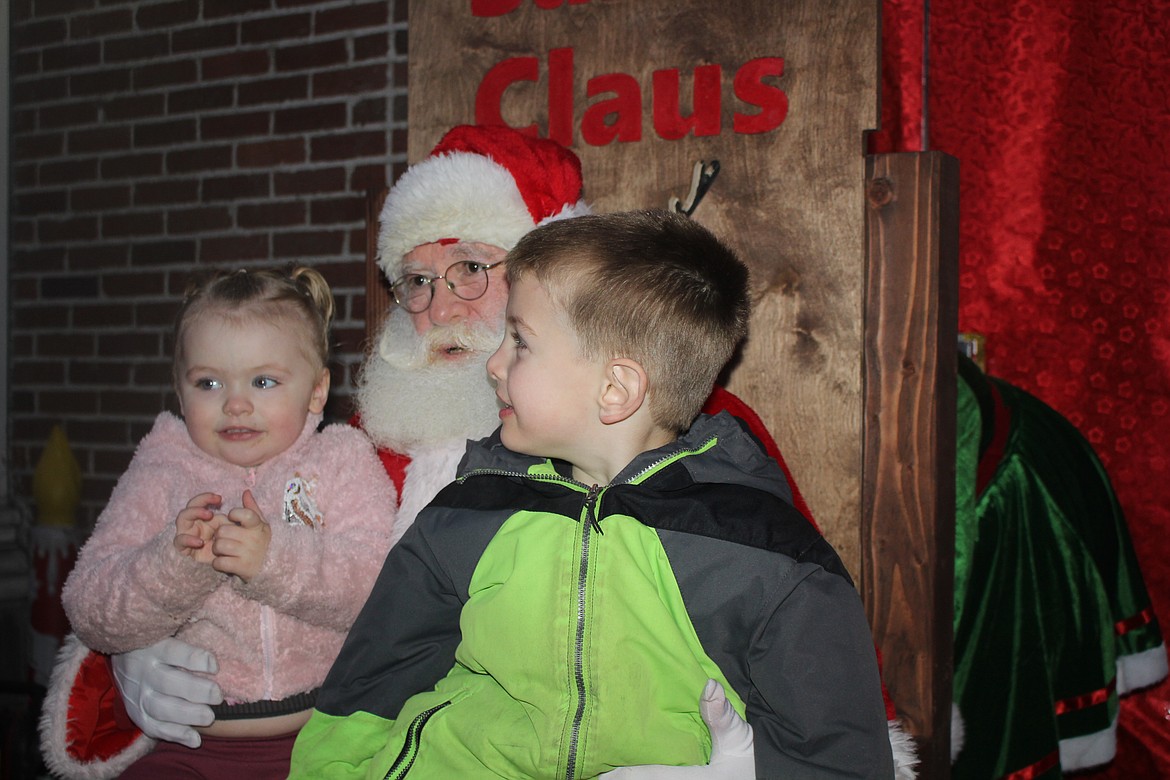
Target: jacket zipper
column 590, row 512
column 401, row 766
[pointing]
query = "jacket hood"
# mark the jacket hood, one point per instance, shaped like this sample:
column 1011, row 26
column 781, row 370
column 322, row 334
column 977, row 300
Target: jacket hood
column 737, row 457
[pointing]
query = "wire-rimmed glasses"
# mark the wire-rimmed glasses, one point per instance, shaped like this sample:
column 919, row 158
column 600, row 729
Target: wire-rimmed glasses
column 466, row 279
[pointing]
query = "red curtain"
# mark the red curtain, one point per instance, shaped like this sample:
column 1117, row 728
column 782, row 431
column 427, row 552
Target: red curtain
column 1059, row 114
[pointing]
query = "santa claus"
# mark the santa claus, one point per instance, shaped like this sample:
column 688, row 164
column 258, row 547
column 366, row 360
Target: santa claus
column 445, row 229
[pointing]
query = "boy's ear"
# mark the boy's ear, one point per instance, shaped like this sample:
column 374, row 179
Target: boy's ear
column 320, row 393
column 624, row 390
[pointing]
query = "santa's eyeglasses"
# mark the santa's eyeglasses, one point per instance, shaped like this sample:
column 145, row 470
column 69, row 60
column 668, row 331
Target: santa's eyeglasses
column 466, row 279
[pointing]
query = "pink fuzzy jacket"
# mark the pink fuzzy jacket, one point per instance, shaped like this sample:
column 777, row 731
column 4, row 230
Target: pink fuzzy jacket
column 278, row 634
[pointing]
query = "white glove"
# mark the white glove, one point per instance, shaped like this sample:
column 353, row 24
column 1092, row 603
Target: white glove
column 161, row 694
column 733, row 756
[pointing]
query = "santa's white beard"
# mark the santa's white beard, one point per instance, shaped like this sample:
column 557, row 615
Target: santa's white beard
column 409, row 396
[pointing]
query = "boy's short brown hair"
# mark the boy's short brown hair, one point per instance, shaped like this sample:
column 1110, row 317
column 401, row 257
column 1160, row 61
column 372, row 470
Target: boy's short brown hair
column 653, row 286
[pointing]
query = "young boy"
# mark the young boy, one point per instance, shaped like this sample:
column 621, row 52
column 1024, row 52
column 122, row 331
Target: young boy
column 555, row 611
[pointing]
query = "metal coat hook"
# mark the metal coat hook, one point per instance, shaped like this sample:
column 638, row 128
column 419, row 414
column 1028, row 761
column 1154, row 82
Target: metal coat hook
column 701, row 179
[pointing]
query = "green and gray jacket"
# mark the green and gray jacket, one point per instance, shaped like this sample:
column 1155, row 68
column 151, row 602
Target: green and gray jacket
column 529, row 625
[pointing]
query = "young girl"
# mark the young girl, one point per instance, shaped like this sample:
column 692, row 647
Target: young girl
column 239, row 527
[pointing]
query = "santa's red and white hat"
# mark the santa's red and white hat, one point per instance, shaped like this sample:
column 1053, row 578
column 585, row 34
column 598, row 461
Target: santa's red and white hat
column 485, row 184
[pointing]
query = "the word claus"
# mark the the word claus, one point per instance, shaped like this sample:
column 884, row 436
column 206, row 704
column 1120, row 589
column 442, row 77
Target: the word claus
column 618, row 117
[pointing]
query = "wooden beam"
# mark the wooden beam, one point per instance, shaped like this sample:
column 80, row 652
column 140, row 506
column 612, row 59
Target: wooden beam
column 378, row 298
column 908, row 486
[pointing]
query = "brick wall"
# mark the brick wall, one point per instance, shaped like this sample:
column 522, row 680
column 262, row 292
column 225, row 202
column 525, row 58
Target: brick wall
column 153, row 136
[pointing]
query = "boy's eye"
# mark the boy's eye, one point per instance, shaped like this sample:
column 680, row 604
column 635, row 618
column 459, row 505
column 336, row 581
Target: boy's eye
column 207, row 383
column 264, row 382
column 517, row 341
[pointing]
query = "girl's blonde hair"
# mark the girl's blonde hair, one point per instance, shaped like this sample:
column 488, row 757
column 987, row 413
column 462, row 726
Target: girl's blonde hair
column 297, row 291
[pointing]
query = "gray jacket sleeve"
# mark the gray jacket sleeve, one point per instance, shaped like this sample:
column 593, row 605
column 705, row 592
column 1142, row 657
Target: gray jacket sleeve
column 815, row 701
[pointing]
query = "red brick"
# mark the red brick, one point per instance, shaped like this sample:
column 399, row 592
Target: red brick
column 400, row 10
column 335, row 210
column 98, row 256
column 69, row 229
column 346, row 273
column 199, row 220
column 200, row 99
column 168, row 15
column 278, row 90
column 213, row 9
column 25, row 65
column 168, row 133
column 24, row 120
column 134, row 107
column 348, row 146
column 155, row 314
column 307, row 182
column 253, row 62
column 273, row 214
column 24, row 231
column 256, row 185
column 35, row 372
column 65, row 344
column 357, row 241
column 99, row 139
column 165, row 74
column 37, row 146
column 368, row 177
column 116, row 402
column 367, row 78
column 235, row 125
column 40, row 90
column 302, row 119
column 27, row 317
column 69, row 172
column 266, row 154
column 81, row 286
column 158, row 374
column 37, row 35
column 103, row 430
column 319, row 54
column 102, row 316
column 351, row 17
column 99, row 198
column 99, row 82
column 136, row 47
column 100, row 24
column 57, row 7
column 170, row 190
column 68, row 115
column 40, row 202
column 132, row 225
column 72, row 56
column 177, row 252
column 275, row 28
column 203, row 158
column 66, row 402
column 233, row 248
column 371, row 111
column 370, row 47
column 132, row 166
column 133, row 284
column 308, row 243
column 209, row 36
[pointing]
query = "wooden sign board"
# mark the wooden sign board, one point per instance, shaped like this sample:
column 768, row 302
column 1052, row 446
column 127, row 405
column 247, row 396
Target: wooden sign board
column 779, row 92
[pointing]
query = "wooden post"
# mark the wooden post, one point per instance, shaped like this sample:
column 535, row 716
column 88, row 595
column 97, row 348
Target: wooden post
column 378, row 298
column 908, row 489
